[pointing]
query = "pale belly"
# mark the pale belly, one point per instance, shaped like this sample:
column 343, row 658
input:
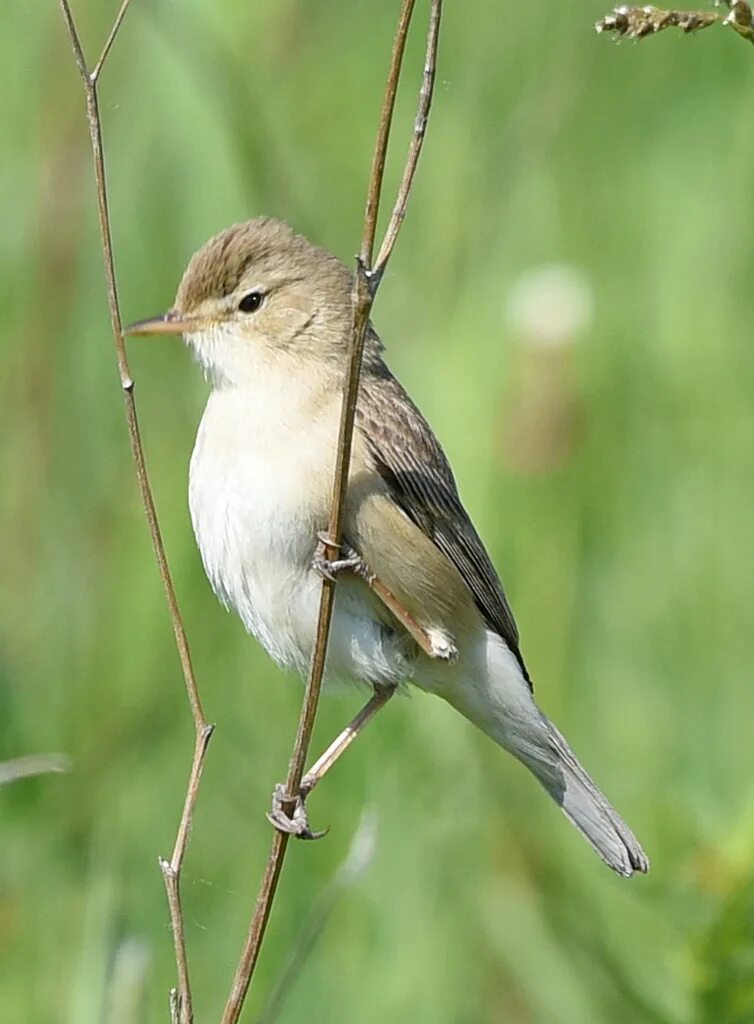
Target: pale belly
column 257, row 499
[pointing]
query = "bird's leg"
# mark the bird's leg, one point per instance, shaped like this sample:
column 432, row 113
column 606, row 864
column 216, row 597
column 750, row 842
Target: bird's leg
column 298, row 823
column 434, row 643
column 343, row 740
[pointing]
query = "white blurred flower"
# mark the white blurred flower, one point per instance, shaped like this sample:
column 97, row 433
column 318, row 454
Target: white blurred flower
column 550, row 304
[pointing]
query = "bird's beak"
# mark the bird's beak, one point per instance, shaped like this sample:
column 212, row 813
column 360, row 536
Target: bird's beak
column 171, row 322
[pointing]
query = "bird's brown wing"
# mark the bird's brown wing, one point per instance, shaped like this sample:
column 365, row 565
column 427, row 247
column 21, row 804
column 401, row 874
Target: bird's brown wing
column 410, row 460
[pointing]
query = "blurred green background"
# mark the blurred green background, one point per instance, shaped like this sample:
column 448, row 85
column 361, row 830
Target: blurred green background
column 609, row 466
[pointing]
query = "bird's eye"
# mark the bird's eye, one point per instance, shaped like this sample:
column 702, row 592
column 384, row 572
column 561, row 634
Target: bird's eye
column 251, row 302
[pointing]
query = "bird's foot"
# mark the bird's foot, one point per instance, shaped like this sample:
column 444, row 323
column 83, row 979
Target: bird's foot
column 298, row 823
column 350, row 560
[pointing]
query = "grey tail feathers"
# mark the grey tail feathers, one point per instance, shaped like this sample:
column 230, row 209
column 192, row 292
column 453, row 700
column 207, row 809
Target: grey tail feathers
column 583, row 804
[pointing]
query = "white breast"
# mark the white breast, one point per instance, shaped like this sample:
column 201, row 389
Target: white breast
column 259, row 490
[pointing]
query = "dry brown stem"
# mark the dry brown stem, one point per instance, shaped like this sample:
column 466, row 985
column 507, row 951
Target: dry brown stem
column 637, row 22
column 366, row 283
column 171, row 869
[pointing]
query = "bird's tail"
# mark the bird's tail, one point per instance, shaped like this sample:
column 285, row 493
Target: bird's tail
column 499, row 701
column 568, row 783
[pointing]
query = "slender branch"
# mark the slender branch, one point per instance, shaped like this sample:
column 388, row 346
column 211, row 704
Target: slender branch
column 366, row 282
column 109, row 41
column 203, row 731
column 383, row 134
column 417, row 141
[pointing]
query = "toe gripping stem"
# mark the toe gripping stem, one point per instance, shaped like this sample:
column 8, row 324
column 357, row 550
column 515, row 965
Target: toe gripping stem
column 297, row 824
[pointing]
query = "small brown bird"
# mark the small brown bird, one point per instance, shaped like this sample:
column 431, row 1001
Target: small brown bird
column 268, row 316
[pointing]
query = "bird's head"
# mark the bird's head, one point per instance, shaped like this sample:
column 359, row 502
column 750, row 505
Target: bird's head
column 258, row 295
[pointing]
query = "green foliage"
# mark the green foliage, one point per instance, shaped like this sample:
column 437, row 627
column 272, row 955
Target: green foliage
column 727, row 958
column 622, row 528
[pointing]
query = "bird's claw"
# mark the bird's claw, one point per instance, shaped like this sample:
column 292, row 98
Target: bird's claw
column 351, row 561
column 298, row 823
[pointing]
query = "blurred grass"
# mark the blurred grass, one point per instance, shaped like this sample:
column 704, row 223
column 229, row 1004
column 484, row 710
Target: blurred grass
column 629, row 563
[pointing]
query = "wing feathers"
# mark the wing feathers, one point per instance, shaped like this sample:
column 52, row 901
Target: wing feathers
column 420, row 481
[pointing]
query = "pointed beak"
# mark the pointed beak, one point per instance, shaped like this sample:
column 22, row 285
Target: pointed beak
column 171, row 322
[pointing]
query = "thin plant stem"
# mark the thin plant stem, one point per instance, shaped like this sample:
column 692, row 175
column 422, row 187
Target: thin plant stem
column 377, row 172
column 109, row 41
column 203, row 730
column 417, row 141
column 366, row 283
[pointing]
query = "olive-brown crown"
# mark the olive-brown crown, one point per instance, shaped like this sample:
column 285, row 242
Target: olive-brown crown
column 264, row 247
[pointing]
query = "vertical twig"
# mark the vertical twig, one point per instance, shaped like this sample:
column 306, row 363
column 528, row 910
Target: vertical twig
column 171, row 869
column 417, row 141
column 366, row 283
column 377, row 172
